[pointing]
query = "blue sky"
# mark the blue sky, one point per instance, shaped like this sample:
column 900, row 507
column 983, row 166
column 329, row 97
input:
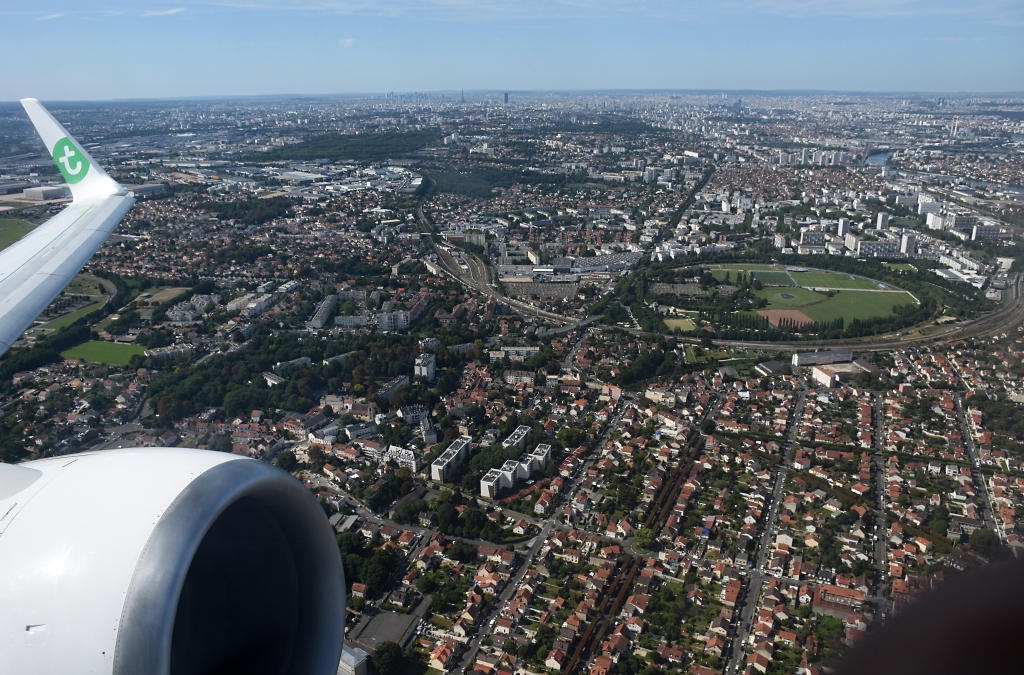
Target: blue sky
column 86, row 49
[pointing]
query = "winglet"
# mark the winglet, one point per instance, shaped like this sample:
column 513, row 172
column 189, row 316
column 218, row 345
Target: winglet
column 84, row 176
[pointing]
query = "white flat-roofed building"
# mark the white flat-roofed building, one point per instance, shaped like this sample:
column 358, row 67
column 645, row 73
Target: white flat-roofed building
column 425, row 366
column 402, row 457
column 518, row 438
column 513, row 471
column 872, row 249
column 395, row 320
column 353, row 661
column 455, row 453
column 822, row 358
column 322, row 313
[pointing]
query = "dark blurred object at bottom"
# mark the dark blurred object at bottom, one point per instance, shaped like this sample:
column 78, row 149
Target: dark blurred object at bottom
column 973, row 624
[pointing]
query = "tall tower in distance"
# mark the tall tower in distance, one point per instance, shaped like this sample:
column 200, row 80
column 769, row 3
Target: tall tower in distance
column 463, row 95
column 506, row 98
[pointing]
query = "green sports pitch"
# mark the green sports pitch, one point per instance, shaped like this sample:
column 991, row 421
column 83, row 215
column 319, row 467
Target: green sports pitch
column 834, row 281
column 773, row 278
column 109, row 353
column 848, row 304
column 819, row 295
column 778, row 275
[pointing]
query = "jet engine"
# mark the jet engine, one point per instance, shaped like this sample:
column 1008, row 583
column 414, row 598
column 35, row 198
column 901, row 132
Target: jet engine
column 165, row 561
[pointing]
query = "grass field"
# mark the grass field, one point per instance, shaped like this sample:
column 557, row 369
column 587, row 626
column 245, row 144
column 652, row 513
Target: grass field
column 901, row 267
column 69, row 319
column 835, row 280
column 82, row 286
column 681, row 324
column 719, row 272
column 104, row 352
column 739, row 266
column 165, row 294
column 776, row 275
column 13, row 229
column 851, row 304
column 773, row 278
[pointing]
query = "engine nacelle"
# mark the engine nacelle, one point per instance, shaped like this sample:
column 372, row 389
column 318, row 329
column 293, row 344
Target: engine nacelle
column 165, row 561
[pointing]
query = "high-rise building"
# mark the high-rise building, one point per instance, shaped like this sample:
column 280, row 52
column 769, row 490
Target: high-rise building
column 844, row 227
column 908, row 244
column 985, row 231
column 812, row 238
column 883, row 221
column 962, row 222
column 506, row 98
column 877, row 249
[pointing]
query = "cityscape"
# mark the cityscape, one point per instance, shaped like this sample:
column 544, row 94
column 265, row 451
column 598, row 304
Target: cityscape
column 664, row 381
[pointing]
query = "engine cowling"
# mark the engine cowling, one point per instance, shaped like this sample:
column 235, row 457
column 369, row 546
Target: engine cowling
column 165, row 561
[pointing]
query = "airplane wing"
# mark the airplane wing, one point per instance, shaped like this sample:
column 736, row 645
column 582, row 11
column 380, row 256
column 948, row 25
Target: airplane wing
column 35, row 269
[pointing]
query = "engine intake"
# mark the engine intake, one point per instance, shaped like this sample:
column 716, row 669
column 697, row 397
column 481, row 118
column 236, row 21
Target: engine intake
column 223, row 565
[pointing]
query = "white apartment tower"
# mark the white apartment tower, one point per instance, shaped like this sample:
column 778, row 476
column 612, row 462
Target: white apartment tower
column 424, row 366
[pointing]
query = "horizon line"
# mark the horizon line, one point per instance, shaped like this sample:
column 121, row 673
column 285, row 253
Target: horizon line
column 457, row 92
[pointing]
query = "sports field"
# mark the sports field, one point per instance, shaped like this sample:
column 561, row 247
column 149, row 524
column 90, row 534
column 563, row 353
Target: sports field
column 83, row 286
column 849, row 304
column 779, row 275
column 681, row 324
column 833, row 280
column 165, row 294
column 104, row 352
column 773, row 278
column 69, row 319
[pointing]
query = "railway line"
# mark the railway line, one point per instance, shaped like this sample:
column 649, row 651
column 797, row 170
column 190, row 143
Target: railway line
column 623, row 581
column 664, row 500
column 611, row 604
column 469, row 277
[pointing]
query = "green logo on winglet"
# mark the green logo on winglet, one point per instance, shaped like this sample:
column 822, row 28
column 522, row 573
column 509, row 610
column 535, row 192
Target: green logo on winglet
column 70, row 160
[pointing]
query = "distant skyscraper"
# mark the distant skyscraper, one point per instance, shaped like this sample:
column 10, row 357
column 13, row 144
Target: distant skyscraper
column 506, row 98
column 844, row 227
column 883, row 221
column 463, row 95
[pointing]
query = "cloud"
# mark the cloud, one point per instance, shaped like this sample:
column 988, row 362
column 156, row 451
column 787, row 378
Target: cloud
column 346, row 42
column 50, row 17
column 165, row 12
